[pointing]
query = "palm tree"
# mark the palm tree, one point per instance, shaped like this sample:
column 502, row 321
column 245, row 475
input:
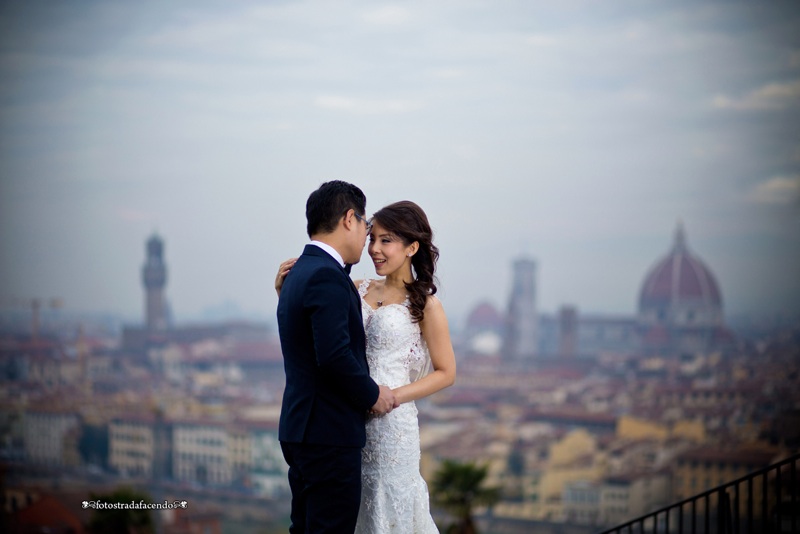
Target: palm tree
column 458, row 488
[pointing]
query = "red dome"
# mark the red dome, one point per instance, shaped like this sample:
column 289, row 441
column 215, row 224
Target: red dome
column 484, row 316
column 680, row 277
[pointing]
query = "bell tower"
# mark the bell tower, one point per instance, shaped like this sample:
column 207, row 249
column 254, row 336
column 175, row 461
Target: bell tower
column 154, row 278
column 521, row 336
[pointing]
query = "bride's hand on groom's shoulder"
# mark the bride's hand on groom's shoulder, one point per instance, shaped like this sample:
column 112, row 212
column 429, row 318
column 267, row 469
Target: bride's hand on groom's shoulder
column 283, row 270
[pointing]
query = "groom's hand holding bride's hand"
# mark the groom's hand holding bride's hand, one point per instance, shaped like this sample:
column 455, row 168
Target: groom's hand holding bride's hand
column 386, row 402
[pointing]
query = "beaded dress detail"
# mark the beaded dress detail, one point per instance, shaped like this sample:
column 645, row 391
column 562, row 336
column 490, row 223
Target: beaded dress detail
column 394, row 496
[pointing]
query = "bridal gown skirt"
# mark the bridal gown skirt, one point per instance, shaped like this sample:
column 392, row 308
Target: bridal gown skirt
column 394, row 496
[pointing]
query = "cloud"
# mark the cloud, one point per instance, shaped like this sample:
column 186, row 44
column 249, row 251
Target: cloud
column 134, row 215
column 772, row 96
column 541, row 40
column 781, row 190
column 563, row 123
column 367, row 106
column 386, row 16
column 448, row 73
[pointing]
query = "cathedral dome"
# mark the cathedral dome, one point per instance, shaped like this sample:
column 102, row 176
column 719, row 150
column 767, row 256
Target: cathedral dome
column 484, row 329
column 484, row 317
column 680, row 290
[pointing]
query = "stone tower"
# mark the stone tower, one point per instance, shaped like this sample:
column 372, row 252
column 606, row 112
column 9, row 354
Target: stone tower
column 521, row 336
column 154, row 278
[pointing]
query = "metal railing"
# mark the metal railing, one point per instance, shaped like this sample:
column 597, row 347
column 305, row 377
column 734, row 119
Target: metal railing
column 764, row 502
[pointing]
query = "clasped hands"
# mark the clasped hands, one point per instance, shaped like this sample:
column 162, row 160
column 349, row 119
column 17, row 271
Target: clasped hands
column 386, row 402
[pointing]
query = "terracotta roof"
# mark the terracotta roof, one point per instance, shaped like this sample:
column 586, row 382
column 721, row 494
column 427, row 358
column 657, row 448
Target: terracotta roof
column 484, row 315
column 47, row 515
column 571, row 416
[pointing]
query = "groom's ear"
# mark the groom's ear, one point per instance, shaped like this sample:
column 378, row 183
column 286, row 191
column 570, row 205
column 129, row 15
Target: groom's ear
column 348, row 218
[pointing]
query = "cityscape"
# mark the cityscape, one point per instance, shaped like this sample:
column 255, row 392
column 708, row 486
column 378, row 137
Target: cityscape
column 581, row 422
column 614, row 188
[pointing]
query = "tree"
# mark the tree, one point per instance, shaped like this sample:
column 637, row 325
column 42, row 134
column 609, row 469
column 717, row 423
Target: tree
column 127, row 521
column 458, row 488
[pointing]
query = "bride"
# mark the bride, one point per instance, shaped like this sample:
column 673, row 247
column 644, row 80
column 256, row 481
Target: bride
column 408, row 349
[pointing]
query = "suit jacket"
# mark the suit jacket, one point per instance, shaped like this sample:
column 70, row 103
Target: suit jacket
column 328, row 389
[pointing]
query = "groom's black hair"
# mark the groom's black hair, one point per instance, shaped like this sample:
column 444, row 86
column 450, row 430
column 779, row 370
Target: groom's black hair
column 329, row 203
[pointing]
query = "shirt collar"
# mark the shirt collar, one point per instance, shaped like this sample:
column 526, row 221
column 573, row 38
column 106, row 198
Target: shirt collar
column 330, row 250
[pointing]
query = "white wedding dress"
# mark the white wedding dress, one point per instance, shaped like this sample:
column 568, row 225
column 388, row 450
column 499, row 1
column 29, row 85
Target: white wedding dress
column 394, row 496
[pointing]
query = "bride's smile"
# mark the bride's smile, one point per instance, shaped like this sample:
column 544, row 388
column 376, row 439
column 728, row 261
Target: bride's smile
column 387, row 251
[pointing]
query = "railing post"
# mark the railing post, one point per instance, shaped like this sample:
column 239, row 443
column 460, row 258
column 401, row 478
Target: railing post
column 778, row 507
column 750, row 506
column 764, row 507
column 793, row 471
column 723, row 512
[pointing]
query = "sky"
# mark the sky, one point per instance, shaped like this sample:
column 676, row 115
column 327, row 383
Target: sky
column 575, row 133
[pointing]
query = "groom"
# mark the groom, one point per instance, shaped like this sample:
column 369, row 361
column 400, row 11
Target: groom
column 328, row 389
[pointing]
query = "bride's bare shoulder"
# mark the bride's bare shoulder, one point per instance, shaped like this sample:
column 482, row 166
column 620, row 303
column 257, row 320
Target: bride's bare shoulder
column 433, row 304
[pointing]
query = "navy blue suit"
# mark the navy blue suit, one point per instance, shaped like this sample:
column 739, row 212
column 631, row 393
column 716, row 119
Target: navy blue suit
column 328, row 392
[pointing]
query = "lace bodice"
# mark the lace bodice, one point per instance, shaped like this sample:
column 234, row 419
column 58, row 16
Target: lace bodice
column 394, row 496
column 396, row 352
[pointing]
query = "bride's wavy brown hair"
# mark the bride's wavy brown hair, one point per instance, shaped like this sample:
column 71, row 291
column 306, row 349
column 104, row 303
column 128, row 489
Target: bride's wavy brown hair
column 408, row 222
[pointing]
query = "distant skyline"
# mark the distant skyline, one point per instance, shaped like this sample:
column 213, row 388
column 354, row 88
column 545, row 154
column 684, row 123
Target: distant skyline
column 576, row 133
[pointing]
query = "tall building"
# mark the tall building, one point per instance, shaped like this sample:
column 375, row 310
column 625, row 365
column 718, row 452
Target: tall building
column 521, row 335
column 154, row 277
column 159, row 329
column 568, row 332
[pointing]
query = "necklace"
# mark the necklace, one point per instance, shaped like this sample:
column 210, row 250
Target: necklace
column 381, row 297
